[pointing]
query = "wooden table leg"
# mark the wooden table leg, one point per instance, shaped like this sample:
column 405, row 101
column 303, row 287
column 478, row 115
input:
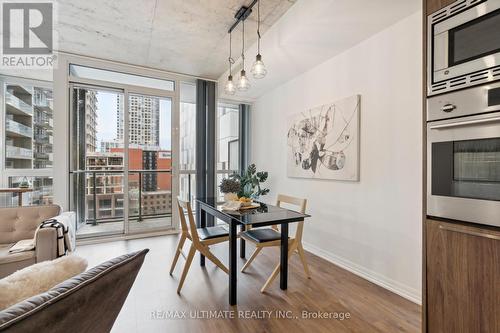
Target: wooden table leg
column 232, row 263
column 20, row 198
column 284, row 257
column 242, row 242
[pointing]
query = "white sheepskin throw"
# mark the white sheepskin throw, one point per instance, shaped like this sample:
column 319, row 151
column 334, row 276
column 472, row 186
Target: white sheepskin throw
column 38, row 278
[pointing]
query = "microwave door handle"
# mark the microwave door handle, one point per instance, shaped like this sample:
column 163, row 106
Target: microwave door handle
column 464, row 123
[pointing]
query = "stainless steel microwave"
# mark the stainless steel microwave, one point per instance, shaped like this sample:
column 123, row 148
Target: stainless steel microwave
column 463, row 155
column 463, row 45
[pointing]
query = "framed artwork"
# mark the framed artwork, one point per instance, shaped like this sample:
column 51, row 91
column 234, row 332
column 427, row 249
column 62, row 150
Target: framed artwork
column 323, row 142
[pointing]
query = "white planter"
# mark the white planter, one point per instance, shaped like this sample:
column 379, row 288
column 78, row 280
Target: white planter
column 230, row 197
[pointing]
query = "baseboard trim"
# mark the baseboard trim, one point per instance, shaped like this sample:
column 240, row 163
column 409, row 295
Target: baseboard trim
column 410, row 294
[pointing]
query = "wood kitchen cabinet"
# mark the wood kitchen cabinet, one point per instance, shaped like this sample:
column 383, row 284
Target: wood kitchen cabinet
column 462, row 278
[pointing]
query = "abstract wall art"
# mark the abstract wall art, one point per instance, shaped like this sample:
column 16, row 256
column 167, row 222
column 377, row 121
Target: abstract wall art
column 323, row 142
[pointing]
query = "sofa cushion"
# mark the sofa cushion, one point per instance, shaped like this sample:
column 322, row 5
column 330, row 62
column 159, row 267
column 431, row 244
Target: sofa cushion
column 11, row 262
column 88, row 302
column 18, row 223
column 38, row 278
column 7, row 257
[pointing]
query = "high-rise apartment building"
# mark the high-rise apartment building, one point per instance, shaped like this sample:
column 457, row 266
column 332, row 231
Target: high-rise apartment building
column 144, row 121
column 87, row 104
column 42, row 128
column 91, row 119
column 28, row 140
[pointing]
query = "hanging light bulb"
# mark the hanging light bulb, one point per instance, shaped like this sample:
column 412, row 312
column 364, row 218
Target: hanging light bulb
column 243, row 83
column 230, row 88
column 258, row 69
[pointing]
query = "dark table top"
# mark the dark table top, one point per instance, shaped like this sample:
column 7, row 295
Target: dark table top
column 264, row 215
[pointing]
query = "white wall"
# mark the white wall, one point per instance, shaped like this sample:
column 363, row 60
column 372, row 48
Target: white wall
column 371, row 227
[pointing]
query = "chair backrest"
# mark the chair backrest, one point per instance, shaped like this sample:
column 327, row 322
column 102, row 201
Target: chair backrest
column 301, row 204
column 185, row 207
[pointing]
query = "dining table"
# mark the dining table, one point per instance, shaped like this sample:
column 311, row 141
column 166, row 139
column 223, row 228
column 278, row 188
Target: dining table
column 261, row 216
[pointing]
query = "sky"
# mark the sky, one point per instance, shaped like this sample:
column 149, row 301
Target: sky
column 106, row 119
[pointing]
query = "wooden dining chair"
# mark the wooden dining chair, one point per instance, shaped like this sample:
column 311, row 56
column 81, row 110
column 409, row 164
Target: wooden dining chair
column 268, row 237
column 201, row 239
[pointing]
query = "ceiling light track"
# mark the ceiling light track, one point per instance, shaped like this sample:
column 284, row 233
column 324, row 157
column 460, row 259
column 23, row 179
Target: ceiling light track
column 242, row 14
column 258, row 69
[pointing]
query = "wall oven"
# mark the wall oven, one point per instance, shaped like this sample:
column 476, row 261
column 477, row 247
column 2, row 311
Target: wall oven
column 463, row 155
column 463, row 45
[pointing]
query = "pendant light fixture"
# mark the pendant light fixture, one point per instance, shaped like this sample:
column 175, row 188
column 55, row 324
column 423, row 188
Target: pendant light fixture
column 258, row 69
column 230, row 87
column 243, row 83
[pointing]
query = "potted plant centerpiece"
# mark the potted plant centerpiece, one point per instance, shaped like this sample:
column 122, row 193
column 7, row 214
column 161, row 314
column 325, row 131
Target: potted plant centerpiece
column 245, row 187
column 250, row 184
column 230, row 187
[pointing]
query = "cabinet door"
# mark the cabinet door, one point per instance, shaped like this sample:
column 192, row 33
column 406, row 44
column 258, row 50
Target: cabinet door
column 463, row 278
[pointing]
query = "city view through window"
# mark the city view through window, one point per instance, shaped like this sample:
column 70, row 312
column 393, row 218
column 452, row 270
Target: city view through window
column 100, row 177
column 111, row 185
column 28, row 142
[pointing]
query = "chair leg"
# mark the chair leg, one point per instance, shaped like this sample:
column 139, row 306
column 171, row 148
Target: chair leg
column 302, row 256
column 276, row 271
column 273, row 276
column 252, row 257
column 206, row 252
column 177, row 252
column 189, row 259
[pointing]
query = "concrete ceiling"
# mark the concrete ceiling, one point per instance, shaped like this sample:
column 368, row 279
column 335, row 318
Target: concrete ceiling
column 185, row 36
column 313, row 31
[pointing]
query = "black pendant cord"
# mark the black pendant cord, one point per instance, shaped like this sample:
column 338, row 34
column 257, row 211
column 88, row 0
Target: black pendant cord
column 258, row 26
column 243, row 45
column 230, row 59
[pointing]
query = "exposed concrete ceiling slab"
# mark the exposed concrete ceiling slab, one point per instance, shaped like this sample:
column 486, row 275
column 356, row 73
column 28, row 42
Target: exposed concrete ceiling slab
column 313, row 31
column 185, row 36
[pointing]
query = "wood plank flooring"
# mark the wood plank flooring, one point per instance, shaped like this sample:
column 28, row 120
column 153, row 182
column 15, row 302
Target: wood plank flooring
column 332, row 291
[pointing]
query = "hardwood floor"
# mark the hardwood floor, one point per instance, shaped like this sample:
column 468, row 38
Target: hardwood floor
column 332, row 291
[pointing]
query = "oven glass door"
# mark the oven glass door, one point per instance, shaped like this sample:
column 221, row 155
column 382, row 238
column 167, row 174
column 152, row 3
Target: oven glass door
column 474, row 39
column 466, row 168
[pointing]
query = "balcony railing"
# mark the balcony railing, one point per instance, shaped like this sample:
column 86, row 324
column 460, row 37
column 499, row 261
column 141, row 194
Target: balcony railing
column 18, row 128
column 18, row 152
column 41, row 155
column 18, row 105
column 96, row 186
column 43, row 138
column 44, row 122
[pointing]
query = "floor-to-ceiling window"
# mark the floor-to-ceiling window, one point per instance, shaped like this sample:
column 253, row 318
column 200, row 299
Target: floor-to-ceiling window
column 26, row 137
column 97, row 160
column 227, row 142
column 121, row 152
column 187, row 141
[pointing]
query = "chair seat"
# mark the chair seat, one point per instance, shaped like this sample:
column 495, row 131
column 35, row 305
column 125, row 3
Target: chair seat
column 212, row 232
column 261, row 235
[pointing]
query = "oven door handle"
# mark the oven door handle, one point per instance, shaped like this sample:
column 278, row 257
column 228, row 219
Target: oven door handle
column 464, row 123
